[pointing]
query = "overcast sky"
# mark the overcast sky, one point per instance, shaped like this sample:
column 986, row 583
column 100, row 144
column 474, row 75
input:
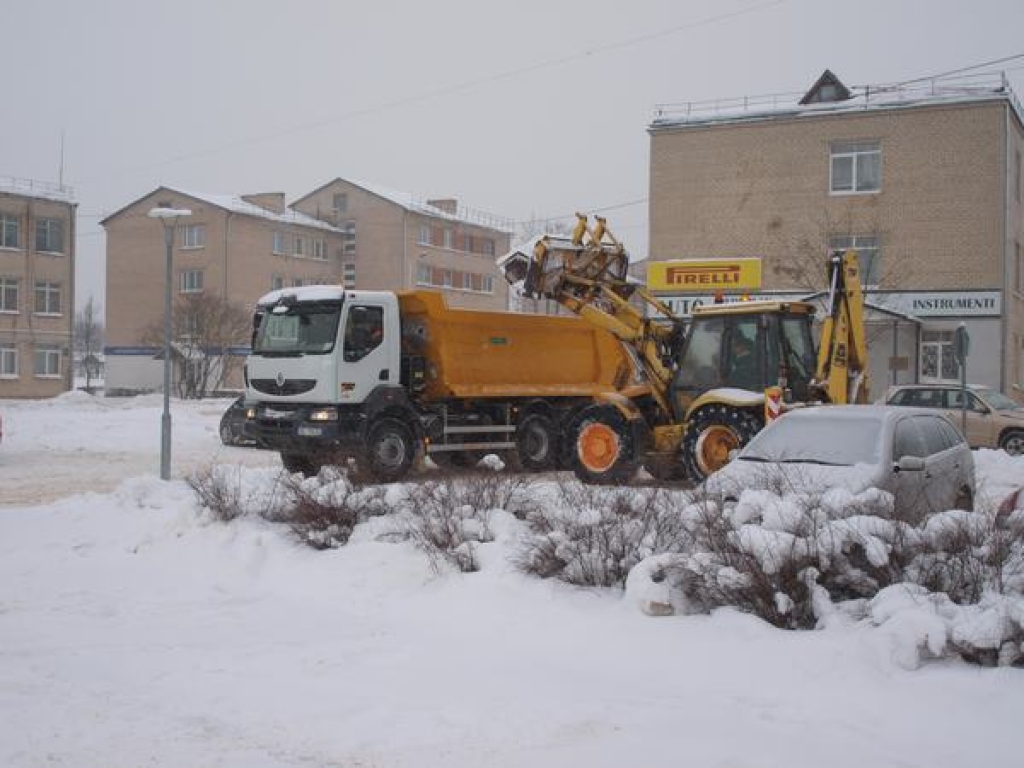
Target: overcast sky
column 523, row 109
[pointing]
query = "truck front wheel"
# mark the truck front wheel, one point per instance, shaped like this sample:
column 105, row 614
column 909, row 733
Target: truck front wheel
column 602, row 446
column 537, row 443
column 712, row 433
column 390, row 450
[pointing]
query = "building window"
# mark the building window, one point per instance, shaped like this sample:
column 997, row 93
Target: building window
column 320, row 250
column 856, row 167
column 449, row 238
column 868, row 255
column 488, row 284
column 280, row 247
column 422, row 274
column 424, row 236
column 8, row 361
column 446, row 278
column 300, row 245
column 191, row 281
column 467, row 281
column 50, row 235
column 938, row 363
column 1016, row 178
column 340, row 202
column 193, row 236
column 1020, row 269
column 10, row 231
column 47, row 362
column 276, row 283
column 348, row 275
column 192, row 325
column 487, row 247
column 8, row 294
column 47, row 298
column 297, row 282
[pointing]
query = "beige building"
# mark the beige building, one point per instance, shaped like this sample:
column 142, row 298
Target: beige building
column 37, row 288
column 241, row 247
column 923, row 180
column 398, row 242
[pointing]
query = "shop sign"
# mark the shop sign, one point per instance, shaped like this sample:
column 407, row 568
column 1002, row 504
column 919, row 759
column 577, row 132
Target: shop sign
column 703, row 275
column 941, row 303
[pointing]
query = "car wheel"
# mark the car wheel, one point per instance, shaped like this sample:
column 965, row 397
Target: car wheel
column 1013, row 442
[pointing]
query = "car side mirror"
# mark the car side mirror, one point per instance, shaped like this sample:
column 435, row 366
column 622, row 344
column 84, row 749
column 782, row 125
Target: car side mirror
column 910, row 464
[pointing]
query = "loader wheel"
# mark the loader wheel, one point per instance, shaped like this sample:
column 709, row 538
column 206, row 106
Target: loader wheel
column 602, row 446
column 300, row 462
column 712, row 433
column 537, row 443
column 390, row 450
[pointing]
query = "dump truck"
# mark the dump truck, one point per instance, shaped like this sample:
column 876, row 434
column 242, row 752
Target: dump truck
column 708, row 375
column 383, row 378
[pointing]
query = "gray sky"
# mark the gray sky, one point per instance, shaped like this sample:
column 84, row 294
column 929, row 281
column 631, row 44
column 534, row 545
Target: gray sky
column 521, row 109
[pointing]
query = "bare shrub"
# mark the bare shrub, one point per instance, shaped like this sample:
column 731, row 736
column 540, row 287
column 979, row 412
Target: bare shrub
column 322, row 511
column 449, row 518
column 219, row 490
column 594, row 536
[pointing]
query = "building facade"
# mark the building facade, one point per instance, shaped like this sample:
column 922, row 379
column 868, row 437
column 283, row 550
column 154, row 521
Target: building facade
column 923, row 181
column 395, row 242
column 37, row 288
column 240, row 247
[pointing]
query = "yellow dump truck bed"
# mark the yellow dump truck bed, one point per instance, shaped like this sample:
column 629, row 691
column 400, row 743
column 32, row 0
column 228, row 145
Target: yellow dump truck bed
column 472, row 353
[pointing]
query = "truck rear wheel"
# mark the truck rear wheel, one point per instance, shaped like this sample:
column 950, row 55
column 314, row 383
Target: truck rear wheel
column 537, row 443
column 712, row 433
column 602, row 446
column 390, row 450
column 300, row 462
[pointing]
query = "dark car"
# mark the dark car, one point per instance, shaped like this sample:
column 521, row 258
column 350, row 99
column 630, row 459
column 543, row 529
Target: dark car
column 232, row 425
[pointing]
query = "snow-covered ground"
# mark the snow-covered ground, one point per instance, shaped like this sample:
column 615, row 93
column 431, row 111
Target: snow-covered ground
column 134, row 631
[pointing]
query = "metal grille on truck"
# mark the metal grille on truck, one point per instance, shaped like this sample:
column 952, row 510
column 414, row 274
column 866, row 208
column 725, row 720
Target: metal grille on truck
column 289, row 387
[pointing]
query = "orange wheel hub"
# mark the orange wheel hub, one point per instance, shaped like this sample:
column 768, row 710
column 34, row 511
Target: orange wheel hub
column 598, row 446
column 713, row 446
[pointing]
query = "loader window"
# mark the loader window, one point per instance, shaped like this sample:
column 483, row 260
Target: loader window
column 700, row 368
column 364, row 331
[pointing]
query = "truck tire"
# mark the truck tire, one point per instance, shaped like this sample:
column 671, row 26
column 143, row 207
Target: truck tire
column 389, row 453
column 1012, row 442
column 537, row 443
column 601, row 446
column 300, row 462
column 712, row 433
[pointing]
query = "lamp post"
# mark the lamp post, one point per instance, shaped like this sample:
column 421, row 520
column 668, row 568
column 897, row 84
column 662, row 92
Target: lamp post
column 169, row 218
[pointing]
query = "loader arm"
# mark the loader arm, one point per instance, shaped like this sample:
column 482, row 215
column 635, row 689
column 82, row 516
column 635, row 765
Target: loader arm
column 842, row 370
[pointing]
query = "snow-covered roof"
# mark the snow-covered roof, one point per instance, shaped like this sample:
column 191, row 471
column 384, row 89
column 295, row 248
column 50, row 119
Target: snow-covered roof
column 236, row 204
column 40, row 189
column 939, row 91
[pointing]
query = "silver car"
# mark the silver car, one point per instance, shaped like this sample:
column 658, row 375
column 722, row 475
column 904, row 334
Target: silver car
column 918, row 456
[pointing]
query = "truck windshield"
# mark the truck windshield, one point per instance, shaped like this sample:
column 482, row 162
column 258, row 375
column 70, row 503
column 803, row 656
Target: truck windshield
column 309, row 328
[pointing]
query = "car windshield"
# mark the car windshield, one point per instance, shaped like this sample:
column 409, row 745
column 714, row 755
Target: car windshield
column 819, row 439
column 296, row 329
column 997, row 400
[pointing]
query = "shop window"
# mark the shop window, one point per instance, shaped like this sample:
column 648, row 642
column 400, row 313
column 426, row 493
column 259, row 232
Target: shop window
column 938, row 363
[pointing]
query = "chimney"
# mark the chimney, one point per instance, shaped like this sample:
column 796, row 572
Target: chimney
column 272, row 201
column 447, row 204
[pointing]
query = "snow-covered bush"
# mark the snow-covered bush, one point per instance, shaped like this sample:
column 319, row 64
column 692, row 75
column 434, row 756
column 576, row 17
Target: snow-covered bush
column 593, row 536
column 449, row 518
column 219, row 490
column 322, row 511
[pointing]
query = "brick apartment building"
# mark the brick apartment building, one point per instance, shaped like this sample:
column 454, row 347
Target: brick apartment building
column 923, row 180
column 37, row 288
column 241, row 247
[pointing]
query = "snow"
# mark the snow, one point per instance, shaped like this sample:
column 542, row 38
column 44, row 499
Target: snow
column 134, row 630
column 236, row 204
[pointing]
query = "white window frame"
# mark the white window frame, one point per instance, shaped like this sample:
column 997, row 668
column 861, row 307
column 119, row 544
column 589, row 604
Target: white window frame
column 449, row 238
column 193, row 236
column 320, row 249
column 280, row 244
column 423, row 274
column 425, row 235
column 50, row 226
column 190, row 281
column 299, row 245
column 8, row 360
column 348, row 275
column 939, row 341
column 9, row 284
column 50, row 293
column 488, row 283
column 858, row 153
column 49, row 355
column 487, row 247
column 10, row 223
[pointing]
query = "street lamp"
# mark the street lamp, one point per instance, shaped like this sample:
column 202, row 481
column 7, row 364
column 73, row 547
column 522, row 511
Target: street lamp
column 169, row 218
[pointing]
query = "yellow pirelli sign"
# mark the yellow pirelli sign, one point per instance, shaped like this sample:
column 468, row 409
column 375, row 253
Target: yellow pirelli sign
column 704, row 275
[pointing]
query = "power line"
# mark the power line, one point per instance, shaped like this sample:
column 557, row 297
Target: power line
column 963, row 69
column 461, row 86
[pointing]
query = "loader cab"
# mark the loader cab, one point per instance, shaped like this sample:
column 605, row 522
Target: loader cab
column 748, row 346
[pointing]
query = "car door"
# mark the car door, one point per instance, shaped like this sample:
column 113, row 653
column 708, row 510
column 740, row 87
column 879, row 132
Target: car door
column 364, row 359
column 942, row 469
column 980, row 429
column 909, row 486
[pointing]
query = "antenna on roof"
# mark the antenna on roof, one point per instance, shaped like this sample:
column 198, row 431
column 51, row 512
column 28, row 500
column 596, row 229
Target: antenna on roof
column 60, row 170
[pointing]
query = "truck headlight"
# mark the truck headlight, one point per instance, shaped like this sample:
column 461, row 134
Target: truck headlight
column 324, row 414
column 250, row 413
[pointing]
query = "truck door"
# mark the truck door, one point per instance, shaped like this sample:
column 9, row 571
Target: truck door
column 365, row 342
